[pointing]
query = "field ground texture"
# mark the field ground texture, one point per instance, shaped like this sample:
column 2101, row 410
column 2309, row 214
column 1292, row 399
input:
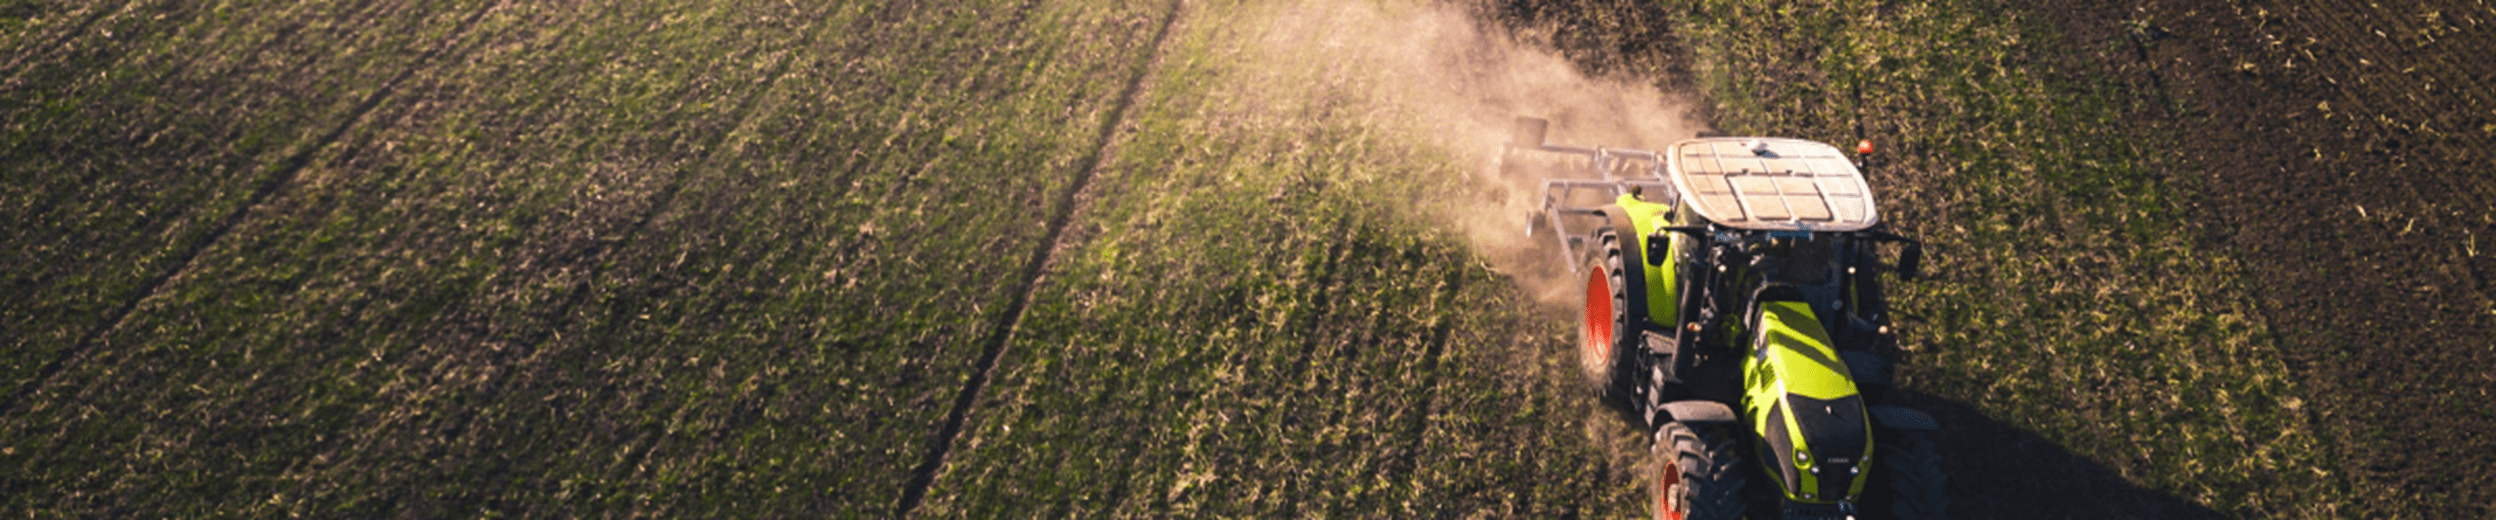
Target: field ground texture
column 1135, row 258
column 2358, row 174
column 736, row 257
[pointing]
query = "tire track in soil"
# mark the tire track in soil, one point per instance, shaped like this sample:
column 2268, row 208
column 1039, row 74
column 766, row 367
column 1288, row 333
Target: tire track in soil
column 286, row 171
column 1027, row 281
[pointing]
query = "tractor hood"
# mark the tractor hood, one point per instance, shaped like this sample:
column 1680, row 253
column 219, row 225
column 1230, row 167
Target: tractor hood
column 1814, row 436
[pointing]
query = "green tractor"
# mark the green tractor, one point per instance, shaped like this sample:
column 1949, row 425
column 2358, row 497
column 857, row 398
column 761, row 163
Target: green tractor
column 1733, row 306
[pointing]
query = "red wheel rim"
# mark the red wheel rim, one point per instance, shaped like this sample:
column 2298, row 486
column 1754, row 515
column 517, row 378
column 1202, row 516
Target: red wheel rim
column 1598, row 316
column 1668, row 493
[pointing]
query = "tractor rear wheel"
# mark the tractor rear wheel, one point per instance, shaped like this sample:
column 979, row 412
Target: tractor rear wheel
column 1908, row 474
column 1615, row 312
column 1697, row 475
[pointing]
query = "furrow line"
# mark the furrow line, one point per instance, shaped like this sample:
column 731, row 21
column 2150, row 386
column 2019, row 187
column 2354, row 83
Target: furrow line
column 268, row 187
column 1001, row 329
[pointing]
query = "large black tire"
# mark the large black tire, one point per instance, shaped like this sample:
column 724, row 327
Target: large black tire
column 1615, row 311
column 1697, row 476
column 1907, row 472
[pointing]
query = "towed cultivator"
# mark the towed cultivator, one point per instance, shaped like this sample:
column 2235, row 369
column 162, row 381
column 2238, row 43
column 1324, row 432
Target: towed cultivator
column 1733, row 306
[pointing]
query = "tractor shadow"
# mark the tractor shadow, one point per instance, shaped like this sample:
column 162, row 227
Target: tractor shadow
column 2000, row 471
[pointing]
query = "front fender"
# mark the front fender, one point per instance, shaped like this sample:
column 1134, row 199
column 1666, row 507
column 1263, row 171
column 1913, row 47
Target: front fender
column 1662, row 288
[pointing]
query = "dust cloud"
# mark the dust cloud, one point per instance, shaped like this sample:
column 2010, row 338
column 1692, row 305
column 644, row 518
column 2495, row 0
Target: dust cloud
column 1458, row 83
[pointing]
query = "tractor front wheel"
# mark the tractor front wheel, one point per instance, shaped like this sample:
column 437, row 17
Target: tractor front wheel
column 1697, row 475
column 1908, row 472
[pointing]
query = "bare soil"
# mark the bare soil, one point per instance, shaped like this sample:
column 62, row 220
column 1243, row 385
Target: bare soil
column 2346, row 148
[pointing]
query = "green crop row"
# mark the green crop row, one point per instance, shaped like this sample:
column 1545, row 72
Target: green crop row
column 2069, row 298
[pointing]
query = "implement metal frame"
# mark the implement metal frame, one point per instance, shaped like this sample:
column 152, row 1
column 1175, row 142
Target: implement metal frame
column 1607, row 164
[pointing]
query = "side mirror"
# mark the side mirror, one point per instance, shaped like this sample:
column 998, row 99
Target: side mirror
column 1911, row 261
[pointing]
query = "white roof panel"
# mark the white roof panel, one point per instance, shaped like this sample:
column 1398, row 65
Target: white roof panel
column 1787, row 184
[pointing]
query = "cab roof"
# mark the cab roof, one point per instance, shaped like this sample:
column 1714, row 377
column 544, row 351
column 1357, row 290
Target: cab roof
column 1771, row 183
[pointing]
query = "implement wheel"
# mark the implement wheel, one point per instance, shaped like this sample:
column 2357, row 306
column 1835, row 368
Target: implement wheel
column 1615, row 311
column 1698, row 475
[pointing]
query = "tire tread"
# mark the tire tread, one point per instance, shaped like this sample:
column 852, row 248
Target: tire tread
column 1911, row 470
column 1711, row 462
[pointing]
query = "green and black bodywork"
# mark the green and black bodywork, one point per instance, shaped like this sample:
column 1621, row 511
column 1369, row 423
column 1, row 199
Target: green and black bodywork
column 1734, row 305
